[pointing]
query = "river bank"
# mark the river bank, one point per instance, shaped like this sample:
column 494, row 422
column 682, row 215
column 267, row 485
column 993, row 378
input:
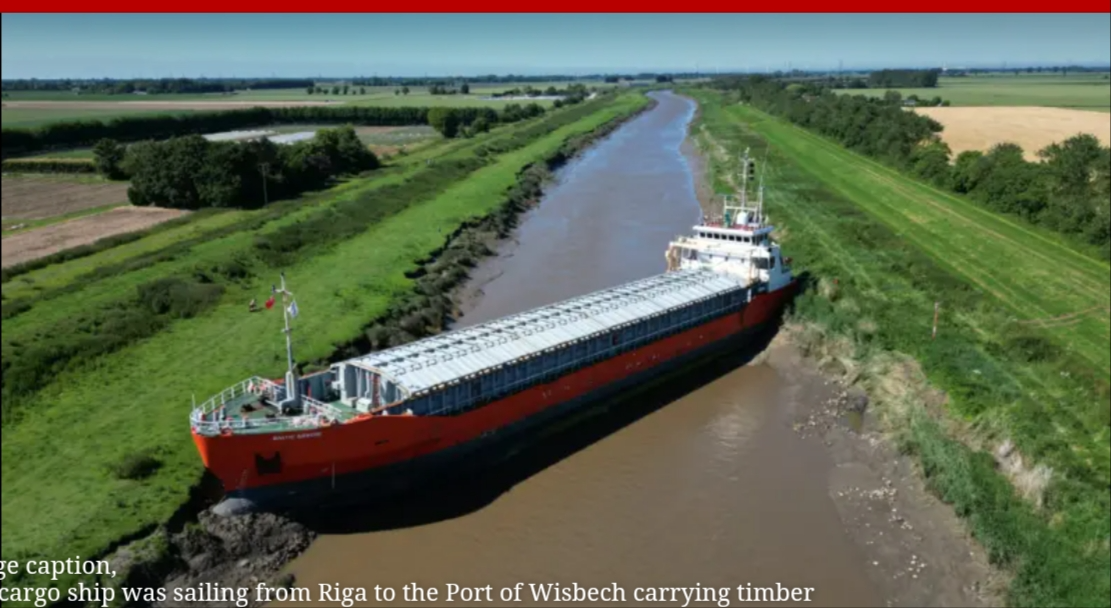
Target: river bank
column 919, row 550
column 768, row 466
column 757, row 466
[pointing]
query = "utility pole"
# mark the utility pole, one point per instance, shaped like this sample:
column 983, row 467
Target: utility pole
column 264, row 168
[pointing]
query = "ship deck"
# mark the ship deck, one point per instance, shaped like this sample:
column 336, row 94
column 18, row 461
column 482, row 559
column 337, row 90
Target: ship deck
column 249, row 408
column 462, row 354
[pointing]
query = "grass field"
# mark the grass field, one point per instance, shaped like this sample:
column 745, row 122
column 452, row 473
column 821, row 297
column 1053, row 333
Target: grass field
column 1085, row 91
column 1022, row 352
column 138, row 397
column 99, row 107
column 34, row 117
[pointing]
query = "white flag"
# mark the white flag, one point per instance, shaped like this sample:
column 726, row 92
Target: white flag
column 293, row 309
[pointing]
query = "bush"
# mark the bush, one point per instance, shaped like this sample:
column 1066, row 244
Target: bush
column 178, row 298
column 109, row 155
column 48, row 165
column 137, row 466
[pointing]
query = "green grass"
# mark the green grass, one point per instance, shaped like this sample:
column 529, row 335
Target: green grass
column 60, row 497
column 36, row 117
column 896, row 247
column 1085, row 92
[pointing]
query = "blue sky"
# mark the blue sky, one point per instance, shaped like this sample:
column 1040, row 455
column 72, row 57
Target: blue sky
column 121, row 46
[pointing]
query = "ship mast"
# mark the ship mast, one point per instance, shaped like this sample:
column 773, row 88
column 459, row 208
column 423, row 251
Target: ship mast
column 293, row 396
column 731, row 212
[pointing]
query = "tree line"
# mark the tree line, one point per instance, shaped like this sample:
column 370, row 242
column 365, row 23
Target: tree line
column 73, row 134
column 903, row 79
column 572, row 90
column 314, row 89
column 467, row 122
column 155, row 86
column 1068, row 190
column 191, row 172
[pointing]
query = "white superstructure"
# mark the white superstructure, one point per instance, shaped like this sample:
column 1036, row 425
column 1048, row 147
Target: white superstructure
column 738, row 243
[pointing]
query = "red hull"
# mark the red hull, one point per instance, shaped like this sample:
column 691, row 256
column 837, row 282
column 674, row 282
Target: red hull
column 368, row 443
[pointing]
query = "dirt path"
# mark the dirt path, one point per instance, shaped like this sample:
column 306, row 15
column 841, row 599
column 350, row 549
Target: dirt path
column 44, row 241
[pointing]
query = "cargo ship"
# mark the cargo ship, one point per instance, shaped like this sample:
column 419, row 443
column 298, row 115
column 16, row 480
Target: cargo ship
column 375, row 423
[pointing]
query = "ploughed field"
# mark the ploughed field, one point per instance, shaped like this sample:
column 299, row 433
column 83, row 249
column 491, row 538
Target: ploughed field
column 40, row 242
column 1032, row 128
column 41, row 197
column 99, row 372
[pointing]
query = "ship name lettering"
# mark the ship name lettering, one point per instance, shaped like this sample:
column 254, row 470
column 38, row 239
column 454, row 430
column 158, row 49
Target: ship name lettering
column 297, row 436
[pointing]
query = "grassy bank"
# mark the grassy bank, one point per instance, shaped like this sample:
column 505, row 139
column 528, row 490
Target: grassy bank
column 136, row 399
column 1021, row 353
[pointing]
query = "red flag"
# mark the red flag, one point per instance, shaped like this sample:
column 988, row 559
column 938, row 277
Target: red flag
column 270, row 303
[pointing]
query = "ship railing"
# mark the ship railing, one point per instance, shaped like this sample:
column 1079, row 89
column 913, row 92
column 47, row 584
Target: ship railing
column 211, row 417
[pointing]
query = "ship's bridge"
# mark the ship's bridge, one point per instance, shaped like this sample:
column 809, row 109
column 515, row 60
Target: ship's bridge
column 455, row 369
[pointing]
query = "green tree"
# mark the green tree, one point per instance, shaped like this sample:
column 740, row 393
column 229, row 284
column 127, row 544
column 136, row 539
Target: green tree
column 931, row 162
column 310, row 90
column 444, row 120
column 465, row 89
column 405, row 90
column 1071, row 164
column 109, row 157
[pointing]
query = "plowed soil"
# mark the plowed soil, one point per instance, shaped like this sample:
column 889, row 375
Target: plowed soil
column 36, row 198
column 44, row 241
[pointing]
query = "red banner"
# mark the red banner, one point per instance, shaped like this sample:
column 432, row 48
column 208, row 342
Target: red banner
column 568, row 6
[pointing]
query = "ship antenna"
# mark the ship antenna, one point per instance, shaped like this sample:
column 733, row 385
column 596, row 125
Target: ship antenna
column 763, row 170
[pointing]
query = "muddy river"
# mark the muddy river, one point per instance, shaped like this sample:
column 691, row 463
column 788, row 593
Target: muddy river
column 702, row 482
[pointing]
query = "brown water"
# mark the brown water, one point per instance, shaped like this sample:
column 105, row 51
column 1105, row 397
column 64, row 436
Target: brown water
column 699, row 480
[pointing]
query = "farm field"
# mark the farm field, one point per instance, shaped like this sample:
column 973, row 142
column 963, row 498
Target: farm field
column 340, row 285
column 32, row 108
column 1085, row 91
column 1022, row 352
column 27, row 197
column 382, row 140
column 25, row 118
column 39, row 242
column 1033, row 128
